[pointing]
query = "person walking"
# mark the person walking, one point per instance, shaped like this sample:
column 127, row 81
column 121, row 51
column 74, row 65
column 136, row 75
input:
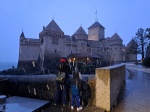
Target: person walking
column 75, row 85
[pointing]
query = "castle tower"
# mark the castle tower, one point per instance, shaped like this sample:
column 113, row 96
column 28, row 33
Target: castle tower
column 52, row 40
column 81, row 37
column 96, row 32
column 115, row 48
column 21, row 47
column 29, row 49
column 131, row 51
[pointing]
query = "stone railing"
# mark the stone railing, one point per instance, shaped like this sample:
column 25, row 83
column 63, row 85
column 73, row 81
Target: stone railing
column 38, row 86
column 109, row 81
column 35, row 86
column 3, row 85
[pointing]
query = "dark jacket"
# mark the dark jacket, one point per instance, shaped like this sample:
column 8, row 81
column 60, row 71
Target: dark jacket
column 75, row 84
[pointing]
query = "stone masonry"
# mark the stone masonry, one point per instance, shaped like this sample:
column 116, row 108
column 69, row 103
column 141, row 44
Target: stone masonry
column 109, row 81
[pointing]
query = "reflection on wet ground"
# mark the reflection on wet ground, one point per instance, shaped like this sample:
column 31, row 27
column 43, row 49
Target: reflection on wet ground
column 135, row 94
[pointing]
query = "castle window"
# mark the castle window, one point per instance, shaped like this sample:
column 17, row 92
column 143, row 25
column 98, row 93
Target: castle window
column 55, row 50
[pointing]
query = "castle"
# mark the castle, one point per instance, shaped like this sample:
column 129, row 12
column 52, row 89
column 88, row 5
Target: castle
column 53, row 40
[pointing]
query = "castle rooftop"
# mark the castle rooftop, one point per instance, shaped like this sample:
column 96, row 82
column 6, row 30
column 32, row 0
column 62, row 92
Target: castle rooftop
column 52, row 26
column 96, row 24
column 22, row 34
column 115, row 37
column 80, row 31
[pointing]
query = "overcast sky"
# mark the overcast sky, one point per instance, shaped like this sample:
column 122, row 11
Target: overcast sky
column 122, row 16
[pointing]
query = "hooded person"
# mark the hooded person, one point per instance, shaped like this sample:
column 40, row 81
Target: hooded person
column 62, row 82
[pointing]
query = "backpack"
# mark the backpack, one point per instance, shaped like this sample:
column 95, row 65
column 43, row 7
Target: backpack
column 60, row 77
column 86, row 90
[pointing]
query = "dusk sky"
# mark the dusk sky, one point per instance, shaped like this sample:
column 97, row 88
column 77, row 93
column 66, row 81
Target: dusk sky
column 122, row 16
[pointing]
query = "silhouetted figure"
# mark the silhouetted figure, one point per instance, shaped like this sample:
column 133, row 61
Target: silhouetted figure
column 62, row 82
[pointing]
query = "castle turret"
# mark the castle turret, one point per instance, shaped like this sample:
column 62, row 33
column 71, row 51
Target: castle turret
column 22, row 36
column 52, row 41
column 81, row 37
column 96, row 32
column 115, row 40
column 80, row 34
column 131, row 51
column 115, row 48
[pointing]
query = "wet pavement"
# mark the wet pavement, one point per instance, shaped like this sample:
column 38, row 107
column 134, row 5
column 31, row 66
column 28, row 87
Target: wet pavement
column 22, row 104
column 136, row 93
column 60, row 108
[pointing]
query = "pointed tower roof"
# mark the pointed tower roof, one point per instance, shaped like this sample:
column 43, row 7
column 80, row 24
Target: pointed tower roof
column 80, row 31
column 132, row 42
column 52, row 26
column 22, row 34
column 96, row 24
column 115, row 37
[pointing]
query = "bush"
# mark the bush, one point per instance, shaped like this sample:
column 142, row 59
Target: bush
column 146, row 62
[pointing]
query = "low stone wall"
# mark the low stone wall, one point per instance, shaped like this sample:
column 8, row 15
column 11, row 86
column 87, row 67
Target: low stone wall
column 3, row 86
column 109, row 81
column 38, row 86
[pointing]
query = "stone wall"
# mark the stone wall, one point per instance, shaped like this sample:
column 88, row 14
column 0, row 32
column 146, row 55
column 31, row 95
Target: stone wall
column 3, row 86
column 38, row 86
column 109, row 81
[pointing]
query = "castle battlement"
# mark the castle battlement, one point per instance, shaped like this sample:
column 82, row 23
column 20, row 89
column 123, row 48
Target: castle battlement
column 30, row 42
column 51, row 33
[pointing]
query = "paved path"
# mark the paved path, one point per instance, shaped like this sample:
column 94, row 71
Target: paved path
column 136, row 94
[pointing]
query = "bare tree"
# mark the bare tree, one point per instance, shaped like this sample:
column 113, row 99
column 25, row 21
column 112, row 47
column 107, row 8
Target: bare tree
column 142, row 41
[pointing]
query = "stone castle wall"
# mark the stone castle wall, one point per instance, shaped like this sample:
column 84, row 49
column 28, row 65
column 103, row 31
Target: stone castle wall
column 29, row 49
column 96, row 33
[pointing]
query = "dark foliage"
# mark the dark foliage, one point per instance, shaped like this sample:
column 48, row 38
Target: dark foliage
column 142, row 41
column 146, row 62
